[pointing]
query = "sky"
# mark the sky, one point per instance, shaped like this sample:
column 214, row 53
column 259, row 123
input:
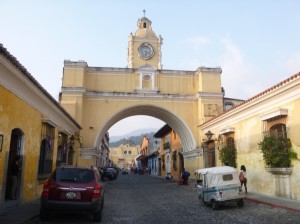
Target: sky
column 256, row 43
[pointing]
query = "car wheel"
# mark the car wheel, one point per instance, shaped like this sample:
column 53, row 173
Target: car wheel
column 214, row 205
column 43, row 215
column 98, row 216
column 240, row 203
column 204, row 202
column 102, row 202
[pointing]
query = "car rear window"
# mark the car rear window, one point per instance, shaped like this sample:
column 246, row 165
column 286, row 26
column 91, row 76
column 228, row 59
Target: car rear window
column 74, row 175
column 111, row 170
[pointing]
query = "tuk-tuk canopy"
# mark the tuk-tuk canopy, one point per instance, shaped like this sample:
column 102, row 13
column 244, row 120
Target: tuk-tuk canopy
column 219, row 176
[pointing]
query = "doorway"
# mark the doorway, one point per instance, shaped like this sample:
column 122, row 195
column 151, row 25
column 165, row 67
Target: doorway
column 209, row 154
column 14, row 151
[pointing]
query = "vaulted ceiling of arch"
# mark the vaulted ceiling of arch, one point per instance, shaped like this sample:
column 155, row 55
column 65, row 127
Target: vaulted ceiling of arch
column 187, row 139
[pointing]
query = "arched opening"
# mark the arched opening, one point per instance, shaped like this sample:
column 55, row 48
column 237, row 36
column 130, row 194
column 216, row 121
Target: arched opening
column 14, row 173
column 187, row 139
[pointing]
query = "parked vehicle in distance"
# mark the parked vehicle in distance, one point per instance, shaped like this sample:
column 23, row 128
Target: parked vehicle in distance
column 111, row 173
column 218, row 186
column 124, row 171
column 73, row 189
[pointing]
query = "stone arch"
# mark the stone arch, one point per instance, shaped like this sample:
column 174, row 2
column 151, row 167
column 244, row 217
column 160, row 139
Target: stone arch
column 187, row 139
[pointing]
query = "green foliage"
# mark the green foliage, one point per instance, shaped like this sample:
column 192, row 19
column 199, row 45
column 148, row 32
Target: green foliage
column 277, row 151
column 227, row 155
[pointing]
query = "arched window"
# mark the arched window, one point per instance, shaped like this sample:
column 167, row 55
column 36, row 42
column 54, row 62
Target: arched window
column 278, row 130
column 230, row 141
column 147, row 81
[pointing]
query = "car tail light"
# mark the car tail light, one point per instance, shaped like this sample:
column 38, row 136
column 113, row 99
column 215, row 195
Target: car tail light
column 97, row 191
column 221, row 192
column 45, row 192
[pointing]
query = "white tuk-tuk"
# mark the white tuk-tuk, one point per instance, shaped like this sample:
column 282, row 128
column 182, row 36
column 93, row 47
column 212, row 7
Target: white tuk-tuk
column 219, row 185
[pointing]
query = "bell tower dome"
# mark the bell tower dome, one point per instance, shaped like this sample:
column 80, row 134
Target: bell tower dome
column 144, row 47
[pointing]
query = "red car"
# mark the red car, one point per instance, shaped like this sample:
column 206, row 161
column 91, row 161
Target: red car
column 73, row 189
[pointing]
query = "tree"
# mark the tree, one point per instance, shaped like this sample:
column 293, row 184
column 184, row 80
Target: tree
column 277, row 151
column 227, row 155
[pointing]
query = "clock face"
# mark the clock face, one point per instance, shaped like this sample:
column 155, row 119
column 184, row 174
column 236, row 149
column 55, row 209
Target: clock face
column 146, row 51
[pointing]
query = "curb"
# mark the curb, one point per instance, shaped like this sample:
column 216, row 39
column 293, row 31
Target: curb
column 271, row 204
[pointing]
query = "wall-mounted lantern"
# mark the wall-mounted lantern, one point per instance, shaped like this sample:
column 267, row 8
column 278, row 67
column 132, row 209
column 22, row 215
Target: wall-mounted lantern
column 209, row 135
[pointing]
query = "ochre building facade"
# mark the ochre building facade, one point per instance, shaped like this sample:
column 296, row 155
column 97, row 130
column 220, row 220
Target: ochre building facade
column 98, row 97
column 274, row 111
column 33, row 126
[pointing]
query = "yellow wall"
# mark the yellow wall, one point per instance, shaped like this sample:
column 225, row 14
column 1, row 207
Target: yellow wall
column 17, row 114
column 113, row 90
column 248, row 132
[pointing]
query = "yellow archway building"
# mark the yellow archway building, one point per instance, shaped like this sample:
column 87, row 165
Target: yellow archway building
column 98, row 97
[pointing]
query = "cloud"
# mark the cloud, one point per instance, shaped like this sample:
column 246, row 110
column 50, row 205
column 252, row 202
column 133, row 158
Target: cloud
column 239, row 77
column 198, row 42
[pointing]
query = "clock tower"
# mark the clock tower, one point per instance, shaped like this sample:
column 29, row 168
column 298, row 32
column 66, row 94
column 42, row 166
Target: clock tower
column 144, row 47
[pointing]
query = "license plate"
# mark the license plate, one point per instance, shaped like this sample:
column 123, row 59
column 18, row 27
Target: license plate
column 70, row 195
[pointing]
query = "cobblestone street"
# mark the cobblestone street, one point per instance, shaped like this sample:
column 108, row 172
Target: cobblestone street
column 144, row 199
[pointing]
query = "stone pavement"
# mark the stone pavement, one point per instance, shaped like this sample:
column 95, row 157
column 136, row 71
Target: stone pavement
column 14, row 213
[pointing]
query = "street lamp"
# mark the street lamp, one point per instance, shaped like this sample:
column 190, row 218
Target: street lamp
column 209, row 135
column 76, row 137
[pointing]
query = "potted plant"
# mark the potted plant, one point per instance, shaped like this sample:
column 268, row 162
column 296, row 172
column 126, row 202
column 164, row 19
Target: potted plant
column 277, row 154
column 227, row 155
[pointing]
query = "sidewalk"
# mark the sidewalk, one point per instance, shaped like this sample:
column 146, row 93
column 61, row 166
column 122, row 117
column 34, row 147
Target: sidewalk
column 14, row 213
column 19, row 214
column 275, row 202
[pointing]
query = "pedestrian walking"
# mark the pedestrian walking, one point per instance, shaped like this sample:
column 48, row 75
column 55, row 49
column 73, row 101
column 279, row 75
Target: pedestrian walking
column 185, row 176
column 243, row 177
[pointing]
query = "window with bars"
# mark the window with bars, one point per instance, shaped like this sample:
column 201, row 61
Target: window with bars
column 228, row 152
column 275, row 126
column 46, row 150
column 62, row 149
column 229, row 141
column 278, row 130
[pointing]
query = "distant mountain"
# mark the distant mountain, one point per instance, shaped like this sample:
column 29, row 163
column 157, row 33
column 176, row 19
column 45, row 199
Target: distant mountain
column 133, row 133
column 137, row 139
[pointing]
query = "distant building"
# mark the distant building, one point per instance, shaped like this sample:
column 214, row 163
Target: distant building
column 170, row 159
column 124, row 155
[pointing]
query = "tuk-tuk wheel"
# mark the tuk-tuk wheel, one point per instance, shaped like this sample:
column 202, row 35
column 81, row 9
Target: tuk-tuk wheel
column 240, row 203
column 214, row 205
